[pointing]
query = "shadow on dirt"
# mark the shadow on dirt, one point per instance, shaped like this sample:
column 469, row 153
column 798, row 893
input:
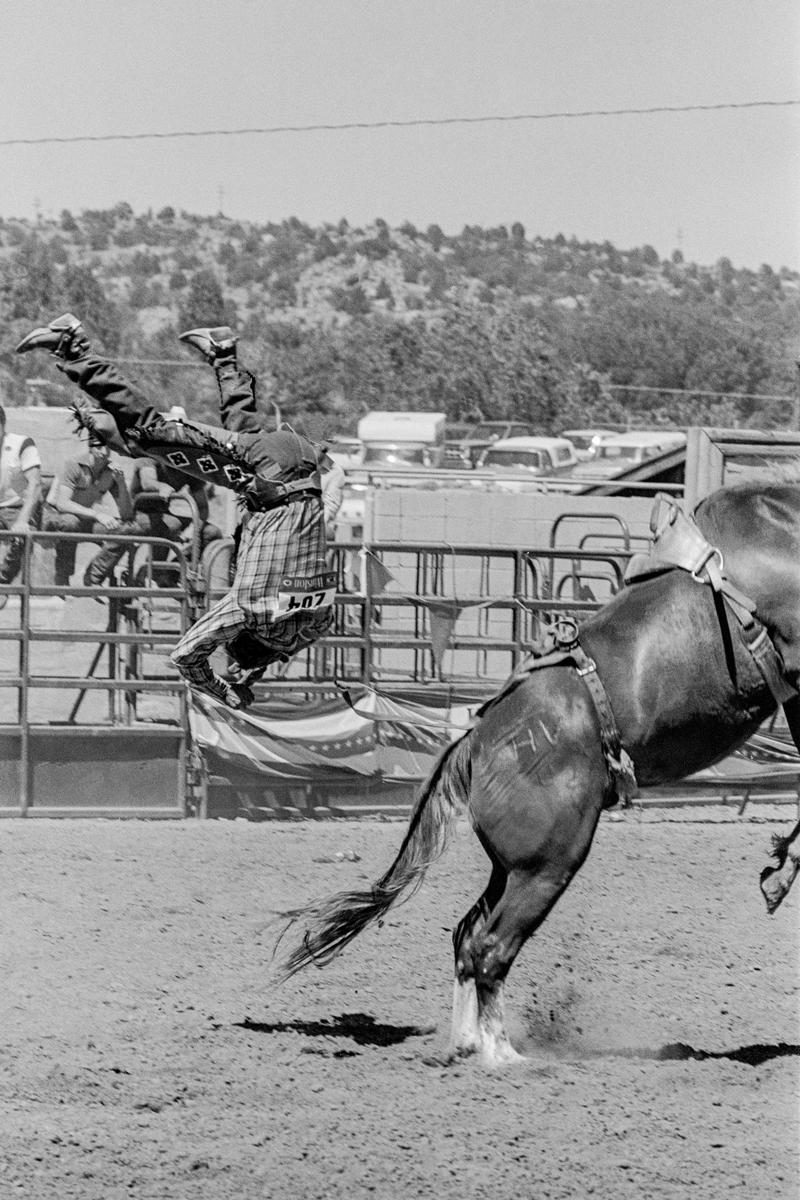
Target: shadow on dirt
column 752, row 1056
column 360, row 1027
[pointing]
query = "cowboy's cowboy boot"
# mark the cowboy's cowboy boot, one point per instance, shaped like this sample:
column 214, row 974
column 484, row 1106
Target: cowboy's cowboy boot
column 64, row 337
column 66, row 340
column 217, row 345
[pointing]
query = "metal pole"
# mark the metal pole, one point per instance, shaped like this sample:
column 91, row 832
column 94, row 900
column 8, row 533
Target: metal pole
column 25, row 766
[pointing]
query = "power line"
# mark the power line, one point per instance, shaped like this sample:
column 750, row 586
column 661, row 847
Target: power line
column 613, row 387
column 664, row 391
column 408, row 124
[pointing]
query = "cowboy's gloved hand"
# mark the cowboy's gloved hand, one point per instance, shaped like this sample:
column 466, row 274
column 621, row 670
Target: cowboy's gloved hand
column 238, row 695
column 98, row 423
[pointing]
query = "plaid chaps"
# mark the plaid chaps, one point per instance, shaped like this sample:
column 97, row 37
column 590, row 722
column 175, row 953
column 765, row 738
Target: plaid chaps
column 286, row 541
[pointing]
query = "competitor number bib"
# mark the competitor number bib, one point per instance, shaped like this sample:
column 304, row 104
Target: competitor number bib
column 305, row 593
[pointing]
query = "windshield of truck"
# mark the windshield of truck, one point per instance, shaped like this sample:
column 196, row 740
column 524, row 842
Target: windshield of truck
column 587, row 440
column 489, row 431
column 514, row 460
column 627, row 452
column 416, row 456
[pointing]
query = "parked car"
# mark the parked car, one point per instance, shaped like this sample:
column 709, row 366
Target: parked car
column 626, row 450
column 521, row 456
column 465, row 451
column 586, row 441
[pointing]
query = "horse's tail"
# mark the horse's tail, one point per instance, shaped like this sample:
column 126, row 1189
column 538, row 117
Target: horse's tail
column 336, row 921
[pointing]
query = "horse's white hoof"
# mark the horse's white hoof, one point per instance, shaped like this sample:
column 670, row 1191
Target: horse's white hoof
column 774, row 891
column 502, row 1055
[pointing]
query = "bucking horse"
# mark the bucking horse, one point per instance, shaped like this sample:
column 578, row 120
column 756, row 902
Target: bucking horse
column 678, row 670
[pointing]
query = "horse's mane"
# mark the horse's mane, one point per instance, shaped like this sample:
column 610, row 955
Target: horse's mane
column 767, row 481
column 784, row 472
column 759, row 479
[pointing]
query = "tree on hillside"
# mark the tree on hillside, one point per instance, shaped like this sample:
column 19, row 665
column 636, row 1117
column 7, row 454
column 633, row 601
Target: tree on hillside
column 297, row 369
column 655, row 339
column 324, row 247
column 352, row 300
column 204, row 303
column 29, row 280
column 500, row 362
column 81, row 292
column 435, row 236
column 473, row 320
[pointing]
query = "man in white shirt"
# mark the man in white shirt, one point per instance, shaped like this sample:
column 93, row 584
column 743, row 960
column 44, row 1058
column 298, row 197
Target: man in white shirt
column 20, row 497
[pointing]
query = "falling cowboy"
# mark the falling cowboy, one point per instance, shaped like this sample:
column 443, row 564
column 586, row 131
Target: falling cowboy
column 282, row 594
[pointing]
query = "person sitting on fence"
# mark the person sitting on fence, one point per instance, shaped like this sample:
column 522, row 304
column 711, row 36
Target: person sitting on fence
column 282, row 594
column 20, row 497
column 153, row 487
column 73, row 506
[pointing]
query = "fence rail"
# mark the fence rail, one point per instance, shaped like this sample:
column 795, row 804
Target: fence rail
column 79, row 763
column 113, row 737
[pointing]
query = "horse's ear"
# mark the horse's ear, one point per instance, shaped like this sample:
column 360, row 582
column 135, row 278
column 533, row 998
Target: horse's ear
column 659, row 518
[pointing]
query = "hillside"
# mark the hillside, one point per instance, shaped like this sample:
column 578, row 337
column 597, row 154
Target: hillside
column 337, row 320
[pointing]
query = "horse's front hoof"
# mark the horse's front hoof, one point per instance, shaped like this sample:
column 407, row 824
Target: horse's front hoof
column 504, row 1055
column 772, row 888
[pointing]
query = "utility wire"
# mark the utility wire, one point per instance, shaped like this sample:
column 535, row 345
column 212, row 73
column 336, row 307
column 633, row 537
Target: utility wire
column 409, row 124
column 614, row 387
column 665, row 391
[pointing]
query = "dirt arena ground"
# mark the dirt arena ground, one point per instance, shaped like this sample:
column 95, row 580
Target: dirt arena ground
column 146, row 1052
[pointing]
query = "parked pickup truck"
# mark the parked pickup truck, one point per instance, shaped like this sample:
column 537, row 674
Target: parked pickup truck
column 529, row 455
column 586, row 441
column 464, row 452
column 626, row 451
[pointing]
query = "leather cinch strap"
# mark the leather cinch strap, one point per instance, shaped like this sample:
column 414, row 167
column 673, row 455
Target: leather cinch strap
column 620, row 763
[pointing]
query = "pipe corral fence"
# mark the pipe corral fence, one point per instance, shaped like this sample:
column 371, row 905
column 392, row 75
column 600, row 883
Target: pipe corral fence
column 94, row 719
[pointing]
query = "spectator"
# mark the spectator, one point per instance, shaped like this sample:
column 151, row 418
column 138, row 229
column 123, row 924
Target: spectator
column 20, row 497
column 73, row 507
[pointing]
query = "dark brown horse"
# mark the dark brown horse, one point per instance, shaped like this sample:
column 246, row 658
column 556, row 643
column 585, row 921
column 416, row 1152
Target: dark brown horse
column 688, row 679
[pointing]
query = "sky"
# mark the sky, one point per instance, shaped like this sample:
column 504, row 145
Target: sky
column 722, row 183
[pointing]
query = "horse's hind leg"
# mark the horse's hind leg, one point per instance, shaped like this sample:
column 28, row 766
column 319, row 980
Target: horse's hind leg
column 465, row 1030
column 488, row 954
column 524, row 904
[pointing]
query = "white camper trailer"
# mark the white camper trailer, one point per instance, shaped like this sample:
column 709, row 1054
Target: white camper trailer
column 402, row 439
